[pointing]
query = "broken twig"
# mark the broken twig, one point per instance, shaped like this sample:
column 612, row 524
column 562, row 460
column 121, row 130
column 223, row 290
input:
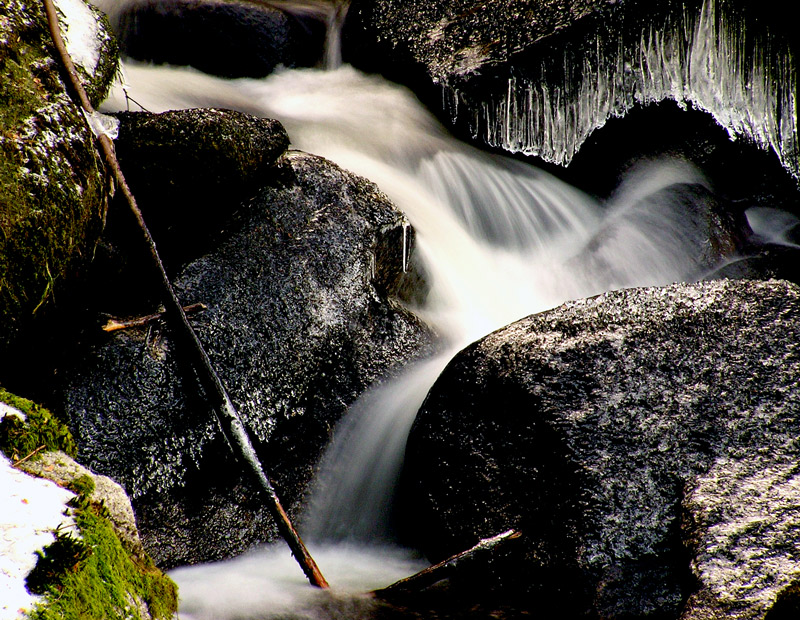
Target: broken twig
column 113, row 325
column 433, row 574
column 207, row 376
column 28, row 456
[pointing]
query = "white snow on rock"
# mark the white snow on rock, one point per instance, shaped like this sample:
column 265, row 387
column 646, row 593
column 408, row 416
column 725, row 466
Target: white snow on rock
column 81, row 32
column 30, row 509
column 9, row 410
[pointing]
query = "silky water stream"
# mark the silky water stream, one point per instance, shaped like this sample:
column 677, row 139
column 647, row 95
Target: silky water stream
column 499, row 239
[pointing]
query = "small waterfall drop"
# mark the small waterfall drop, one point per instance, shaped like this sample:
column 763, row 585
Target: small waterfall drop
column 499, row 239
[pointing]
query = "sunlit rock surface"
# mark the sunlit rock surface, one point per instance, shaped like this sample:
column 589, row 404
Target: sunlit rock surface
column 64, row 470
column 301, row 319
column 645, row 442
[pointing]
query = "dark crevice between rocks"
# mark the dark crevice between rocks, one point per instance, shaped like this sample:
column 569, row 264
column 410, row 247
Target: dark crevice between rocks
column 231, row 39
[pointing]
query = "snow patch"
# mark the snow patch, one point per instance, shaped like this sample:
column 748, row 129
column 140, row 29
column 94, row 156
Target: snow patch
column 9, row 410
column 30, row 510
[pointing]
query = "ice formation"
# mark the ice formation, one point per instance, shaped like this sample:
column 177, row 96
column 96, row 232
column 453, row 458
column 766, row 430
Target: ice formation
column 709, row 57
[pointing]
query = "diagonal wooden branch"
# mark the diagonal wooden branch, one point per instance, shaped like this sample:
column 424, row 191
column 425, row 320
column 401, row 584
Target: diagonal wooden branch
column 443, row 570
column 207, row 376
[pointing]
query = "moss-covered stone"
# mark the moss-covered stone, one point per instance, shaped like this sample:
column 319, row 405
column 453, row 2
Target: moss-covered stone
column 53, row 191
column 39, row 430
column 95, row 576
column 100, row 570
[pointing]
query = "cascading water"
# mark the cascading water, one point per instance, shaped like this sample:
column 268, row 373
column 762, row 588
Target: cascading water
column 499, row 240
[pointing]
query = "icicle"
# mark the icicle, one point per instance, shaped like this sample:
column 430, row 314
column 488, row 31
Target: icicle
column 692, row 56
column 405, row 246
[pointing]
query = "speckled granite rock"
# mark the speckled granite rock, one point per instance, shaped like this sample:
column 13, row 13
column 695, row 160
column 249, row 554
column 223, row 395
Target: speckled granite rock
column 302, row 316
column 743, row 517
column 645, row 441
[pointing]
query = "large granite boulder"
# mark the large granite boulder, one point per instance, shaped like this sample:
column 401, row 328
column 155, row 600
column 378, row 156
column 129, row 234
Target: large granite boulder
column 302, row 315
column 190, row 170
column 645, row 441
column 53, row 191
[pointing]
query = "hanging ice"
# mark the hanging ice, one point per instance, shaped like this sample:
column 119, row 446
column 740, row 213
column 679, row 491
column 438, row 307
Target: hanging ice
column 707, row 57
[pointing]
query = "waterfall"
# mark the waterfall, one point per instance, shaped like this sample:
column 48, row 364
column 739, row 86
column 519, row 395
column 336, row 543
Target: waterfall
column 499, row 239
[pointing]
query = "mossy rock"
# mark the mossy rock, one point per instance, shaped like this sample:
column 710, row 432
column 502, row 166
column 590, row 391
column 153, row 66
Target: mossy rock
column 94, row 575
column 53, row 188
column 40, row 430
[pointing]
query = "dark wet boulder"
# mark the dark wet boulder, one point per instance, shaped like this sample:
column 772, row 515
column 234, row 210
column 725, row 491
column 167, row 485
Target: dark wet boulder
column 229, row 39
column 645, row 441
column 189, row 171
column 53, row 191
column 200, row 155
column 302, row 316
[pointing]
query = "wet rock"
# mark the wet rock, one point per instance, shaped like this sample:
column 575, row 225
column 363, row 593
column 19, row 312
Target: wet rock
column 741, row 523
column 301, row 319
column 763, row 262
column 459, row 37
column 189, row 171
column 196, row 155
column 229, row 39
column 53, row 191
column 636, row 438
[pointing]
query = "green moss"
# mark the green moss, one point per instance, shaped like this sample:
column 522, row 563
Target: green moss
column 105, row 582
column 52, row 180
column 82, row 485
column 20, row 438
column 56, row 561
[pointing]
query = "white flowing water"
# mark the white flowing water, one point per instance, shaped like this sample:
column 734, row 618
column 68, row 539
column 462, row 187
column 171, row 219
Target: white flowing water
column 499, row 240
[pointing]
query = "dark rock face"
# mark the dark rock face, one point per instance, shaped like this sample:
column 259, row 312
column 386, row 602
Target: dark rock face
column 460, row 37
column 196, row 154
column 300, row 320
column 229, row 39
column 189, row 170
column 645, row 442
column 53, row 192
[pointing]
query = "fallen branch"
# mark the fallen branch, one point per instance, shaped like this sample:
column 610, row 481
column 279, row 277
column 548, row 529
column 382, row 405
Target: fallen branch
column 433, row 574
column 28, row 456
column 207, row 376
column 113, row 325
